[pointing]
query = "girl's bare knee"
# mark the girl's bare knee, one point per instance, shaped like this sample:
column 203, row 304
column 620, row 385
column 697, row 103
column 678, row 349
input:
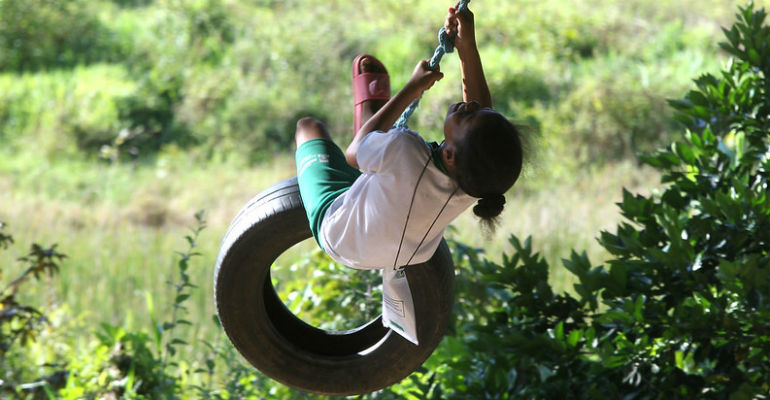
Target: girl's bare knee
column 307, row 123
column 310, row 128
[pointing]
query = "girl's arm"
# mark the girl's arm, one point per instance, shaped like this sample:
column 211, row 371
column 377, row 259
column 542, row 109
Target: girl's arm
column 474, row 83
column 421, row 80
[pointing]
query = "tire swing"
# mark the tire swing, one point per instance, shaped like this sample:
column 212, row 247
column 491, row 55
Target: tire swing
column 287, row 349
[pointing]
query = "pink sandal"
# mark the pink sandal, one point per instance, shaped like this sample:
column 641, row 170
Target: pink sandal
column 368, row 86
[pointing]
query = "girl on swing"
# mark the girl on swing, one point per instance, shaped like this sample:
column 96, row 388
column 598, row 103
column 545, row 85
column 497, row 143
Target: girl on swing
column 392, row 194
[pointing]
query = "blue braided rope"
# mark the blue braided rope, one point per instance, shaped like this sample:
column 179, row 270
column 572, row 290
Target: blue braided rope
column 446, row 45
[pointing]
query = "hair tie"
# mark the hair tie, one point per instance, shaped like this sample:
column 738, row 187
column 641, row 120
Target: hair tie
column 489, row 206
column 492, row 200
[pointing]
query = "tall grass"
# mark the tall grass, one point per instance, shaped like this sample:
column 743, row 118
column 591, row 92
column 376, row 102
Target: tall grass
column 120, row 226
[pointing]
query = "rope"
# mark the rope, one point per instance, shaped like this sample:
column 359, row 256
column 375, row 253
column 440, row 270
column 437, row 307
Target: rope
column 446, row 45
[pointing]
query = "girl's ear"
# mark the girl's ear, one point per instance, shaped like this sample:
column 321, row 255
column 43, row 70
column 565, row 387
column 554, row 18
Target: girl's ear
column 448, row 157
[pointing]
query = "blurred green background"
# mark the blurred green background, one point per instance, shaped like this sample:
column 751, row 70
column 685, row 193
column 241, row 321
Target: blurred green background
column 120, row 119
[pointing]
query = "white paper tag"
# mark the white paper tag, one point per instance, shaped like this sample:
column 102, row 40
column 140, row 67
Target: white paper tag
column 397, row 304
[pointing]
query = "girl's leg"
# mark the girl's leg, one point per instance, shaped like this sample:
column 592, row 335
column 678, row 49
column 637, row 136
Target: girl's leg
column 322, row 171
column 309, row 128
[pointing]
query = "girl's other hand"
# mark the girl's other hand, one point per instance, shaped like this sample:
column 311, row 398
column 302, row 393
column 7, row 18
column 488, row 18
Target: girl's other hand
column 461, row 23
column 423, row 77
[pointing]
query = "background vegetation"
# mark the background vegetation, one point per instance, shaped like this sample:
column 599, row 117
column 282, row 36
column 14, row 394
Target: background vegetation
column 120, row 119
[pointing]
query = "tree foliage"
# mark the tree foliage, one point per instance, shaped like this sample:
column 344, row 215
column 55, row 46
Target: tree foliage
column 680, row 309
column 47, row 34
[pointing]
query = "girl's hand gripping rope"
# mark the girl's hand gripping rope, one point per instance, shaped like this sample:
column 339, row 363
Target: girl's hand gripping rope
column 460, row 24
column 422, row 79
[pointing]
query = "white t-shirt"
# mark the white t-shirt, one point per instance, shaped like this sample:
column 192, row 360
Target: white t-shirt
column 362, row 228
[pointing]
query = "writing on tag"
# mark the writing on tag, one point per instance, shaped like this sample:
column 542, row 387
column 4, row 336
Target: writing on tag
column 397, row 304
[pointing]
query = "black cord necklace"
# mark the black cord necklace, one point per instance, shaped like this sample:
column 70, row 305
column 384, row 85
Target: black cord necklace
column 409, row 213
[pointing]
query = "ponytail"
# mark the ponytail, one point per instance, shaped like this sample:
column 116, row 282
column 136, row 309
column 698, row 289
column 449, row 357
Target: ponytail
column 488, row 209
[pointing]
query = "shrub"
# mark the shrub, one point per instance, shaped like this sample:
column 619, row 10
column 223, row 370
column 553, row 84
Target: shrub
column 147, row 117
column 188, row 39
column 43, row 34
column 61, row 112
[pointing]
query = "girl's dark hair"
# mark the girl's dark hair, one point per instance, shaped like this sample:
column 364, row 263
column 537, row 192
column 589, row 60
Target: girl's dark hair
column 488, row 163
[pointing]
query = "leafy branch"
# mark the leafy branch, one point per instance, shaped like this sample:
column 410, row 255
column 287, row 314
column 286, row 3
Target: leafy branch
column 19, row 323
column 182, row 291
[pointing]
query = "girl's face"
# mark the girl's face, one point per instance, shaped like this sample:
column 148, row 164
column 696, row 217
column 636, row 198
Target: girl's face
column 461, row 116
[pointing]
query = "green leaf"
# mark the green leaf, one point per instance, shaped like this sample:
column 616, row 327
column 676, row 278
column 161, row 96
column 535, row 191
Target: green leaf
column 574, row 337
column 590, row 336
column 698, row 99
column 612, row 317
column 694, row 139
column 577, row 264
column 731, row 35
column 754, row 57
column 700, row 299
column 661, row 159
column 619, row 275
column 685, row 119
column 680, row 104
column 673, row 198
column 701, row 112
column 559, row 331
column 613, row 361
column 158, row 331
column 727, row 271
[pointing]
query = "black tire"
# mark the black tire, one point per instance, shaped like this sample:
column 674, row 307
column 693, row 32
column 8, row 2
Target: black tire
column 294, row 353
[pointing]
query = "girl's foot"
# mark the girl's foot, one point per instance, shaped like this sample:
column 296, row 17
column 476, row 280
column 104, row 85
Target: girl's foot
column 371, row 88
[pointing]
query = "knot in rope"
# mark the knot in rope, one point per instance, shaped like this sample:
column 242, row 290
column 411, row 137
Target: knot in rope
column 446, row 45
column 446, row 40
